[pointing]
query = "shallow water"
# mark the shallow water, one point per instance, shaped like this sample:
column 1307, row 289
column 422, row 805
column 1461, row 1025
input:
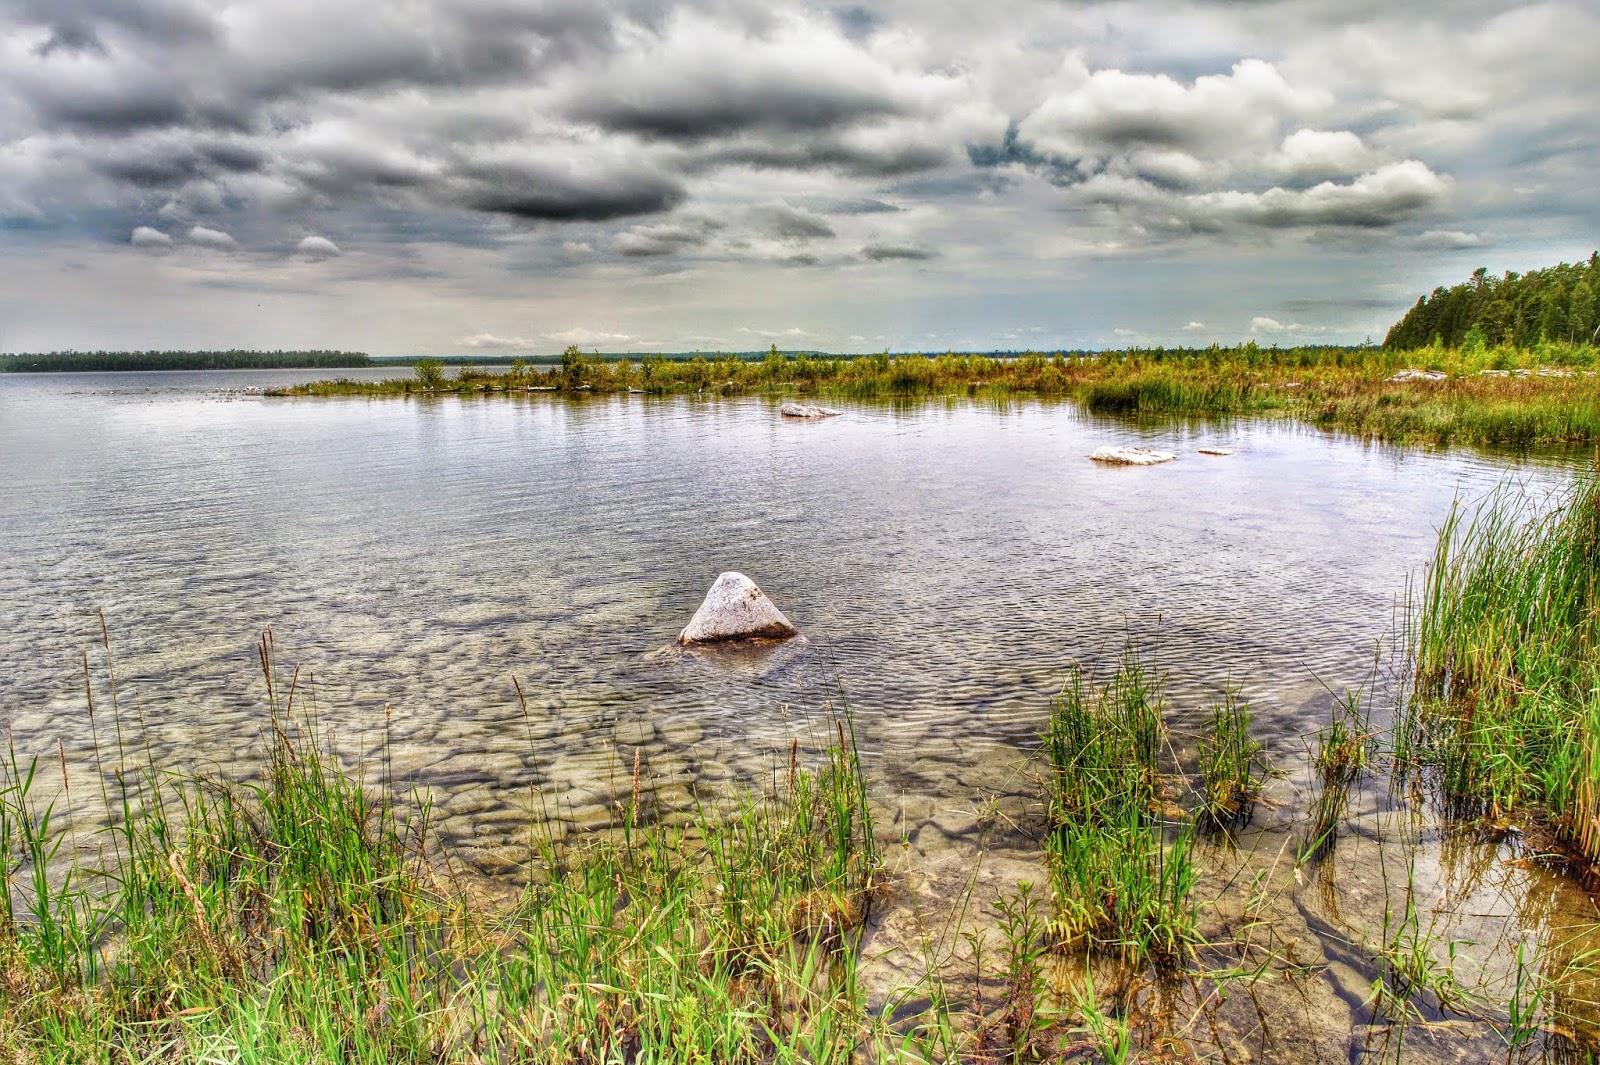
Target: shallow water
column 947, row 561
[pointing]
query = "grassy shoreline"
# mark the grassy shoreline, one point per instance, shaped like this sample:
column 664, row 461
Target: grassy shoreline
column 312, row 917
column 1500, row 397
column 1506, row 708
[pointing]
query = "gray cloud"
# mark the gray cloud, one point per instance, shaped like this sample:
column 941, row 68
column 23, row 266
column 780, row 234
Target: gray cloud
column 886, row 252
column 464, row 148
column 783, row 221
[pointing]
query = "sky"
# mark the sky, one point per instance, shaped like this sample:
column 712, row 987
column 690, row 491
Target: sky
column 503, row 176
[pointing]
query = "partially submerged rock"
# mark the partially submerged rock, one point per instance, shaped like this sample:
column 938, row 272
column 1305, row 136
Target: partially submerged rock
column 736, row 609
column 1131, row 456
column 1215, row 450
column 806, row 410
column 1418, row 375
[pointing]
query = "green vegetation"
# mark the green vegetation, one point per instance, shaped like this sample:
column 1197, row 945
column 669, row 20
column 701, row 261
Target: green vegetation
column 306, row 918
column 309, row 916
column 1343, row 752
column 1121, row 887
column 1560, row 304
column 1506, row 709
column 93, row 361
column 1547, row 395
column 1231, row 770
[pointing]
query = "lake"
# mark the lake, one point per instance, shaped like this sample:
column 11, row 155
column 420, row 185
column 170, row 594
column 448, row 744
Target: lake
column 947, row 561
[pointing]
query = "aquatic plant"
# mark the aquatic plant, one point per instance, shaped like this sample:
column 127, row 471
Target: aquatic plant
column 1506, row 707
column 1343, row 751
column 1231, row 770
column 307, row 917
column 1121, row 887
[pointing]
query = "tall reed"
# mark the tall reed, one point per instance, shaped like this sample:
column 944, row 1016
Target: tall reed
column 1506, row 706
column 1122, row 887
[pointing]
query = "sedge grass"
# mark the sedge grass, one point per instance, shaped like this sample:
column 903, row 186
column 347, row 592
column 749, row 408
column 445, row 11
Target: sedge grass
column 1506, row 707
column 1231, row 770
column 1122, row 888
column 1343, row 751
column 305, row 917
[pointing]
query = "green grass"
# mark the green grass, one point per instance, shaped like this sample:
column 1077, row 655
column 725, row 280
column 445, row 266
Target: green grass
column 1343, row 752
column 1231, row 769
column 1506, row 708
column 309, row 916
column 1121, row 886
column 1555, row 401
column 306, row 918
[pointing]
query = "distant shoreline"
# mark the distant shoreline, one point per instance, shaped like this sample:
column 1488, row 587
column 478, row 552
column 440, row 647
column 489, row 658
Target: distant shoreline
column 1501, row 397
column 142, row 361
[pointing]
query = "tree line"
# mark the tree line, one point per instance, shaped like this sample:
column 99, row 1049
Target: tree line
column 235, row 359
column 1559, row 304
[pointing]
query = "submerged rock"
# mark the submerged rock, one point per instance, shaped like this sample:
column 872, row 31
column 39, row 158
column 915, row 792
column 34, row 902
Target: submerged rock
column 736, row 609
column 1418, row 375
column 1215, row 450
column 1131, row 456
column 806, row 410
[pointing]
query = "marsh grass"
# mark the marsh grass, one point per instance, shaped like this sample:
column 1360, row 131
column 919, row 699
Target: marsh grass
column 305, row 917
column 1506, row 706
column 1231, row 768
column 1122, row 886
column 1343, row 751
column 1555, row 401
column 1416, row 970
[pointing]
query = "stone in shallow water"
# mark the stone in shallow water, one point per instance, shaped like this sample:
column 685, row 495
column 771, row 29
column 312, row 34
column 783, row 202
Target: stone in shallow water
column 736, row 609
column 1215, row 450
column 1131, row 456
column 806, row 410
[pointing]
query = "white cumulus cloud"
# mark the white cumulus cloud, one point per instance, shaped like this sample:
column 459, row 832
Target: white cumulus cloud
column 149, row 237
column 206, row 237
column 315, row 247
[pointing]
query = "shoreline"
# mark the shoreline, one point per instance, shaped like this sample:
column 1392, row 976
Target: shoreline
column 1498, row 398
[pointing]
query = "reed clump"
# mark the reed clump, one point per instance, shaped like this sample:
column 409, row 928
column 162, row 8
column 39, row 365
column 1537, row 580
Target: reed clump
column 1506, row 707
column 1344, row 750
column 1122, row 887
column 1231, row 768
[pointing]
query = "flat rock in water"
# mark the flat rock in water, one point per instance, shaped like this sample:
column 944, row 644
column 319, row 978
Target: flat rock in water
column 1215, row 450
column 1131, row 456
column 736, row 609
column 806, row 410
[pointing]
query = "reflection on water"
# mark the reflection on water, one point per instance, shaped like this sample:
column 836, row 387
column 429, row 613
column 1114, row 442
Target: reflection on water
column 947, row 562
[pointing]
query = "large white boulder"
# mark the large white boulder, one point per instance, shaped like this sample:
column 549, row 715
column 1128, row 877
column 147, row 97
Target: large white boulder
column 1131, row 456
column 736, row 609
column 806, row 410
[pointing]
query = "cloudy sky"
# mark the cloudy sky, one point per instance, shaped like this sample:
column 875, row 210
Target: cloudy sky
column 403, row 176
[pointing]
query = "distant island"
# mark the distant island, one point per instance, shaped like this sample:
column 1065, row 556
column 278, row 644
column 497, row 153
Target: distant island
column 101, row 361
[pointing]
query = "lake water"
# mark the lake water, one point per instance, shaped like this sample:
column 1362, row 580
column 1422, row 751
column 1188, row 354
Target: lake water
column 947, row 562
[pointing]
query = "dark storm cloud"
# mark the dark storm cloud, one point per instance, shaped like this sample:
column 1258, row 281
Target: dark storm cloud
column 826, row 153
column 718, row 109
column 70, row 37
column 885, row 252
column 168, row 21
column 535, row 196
